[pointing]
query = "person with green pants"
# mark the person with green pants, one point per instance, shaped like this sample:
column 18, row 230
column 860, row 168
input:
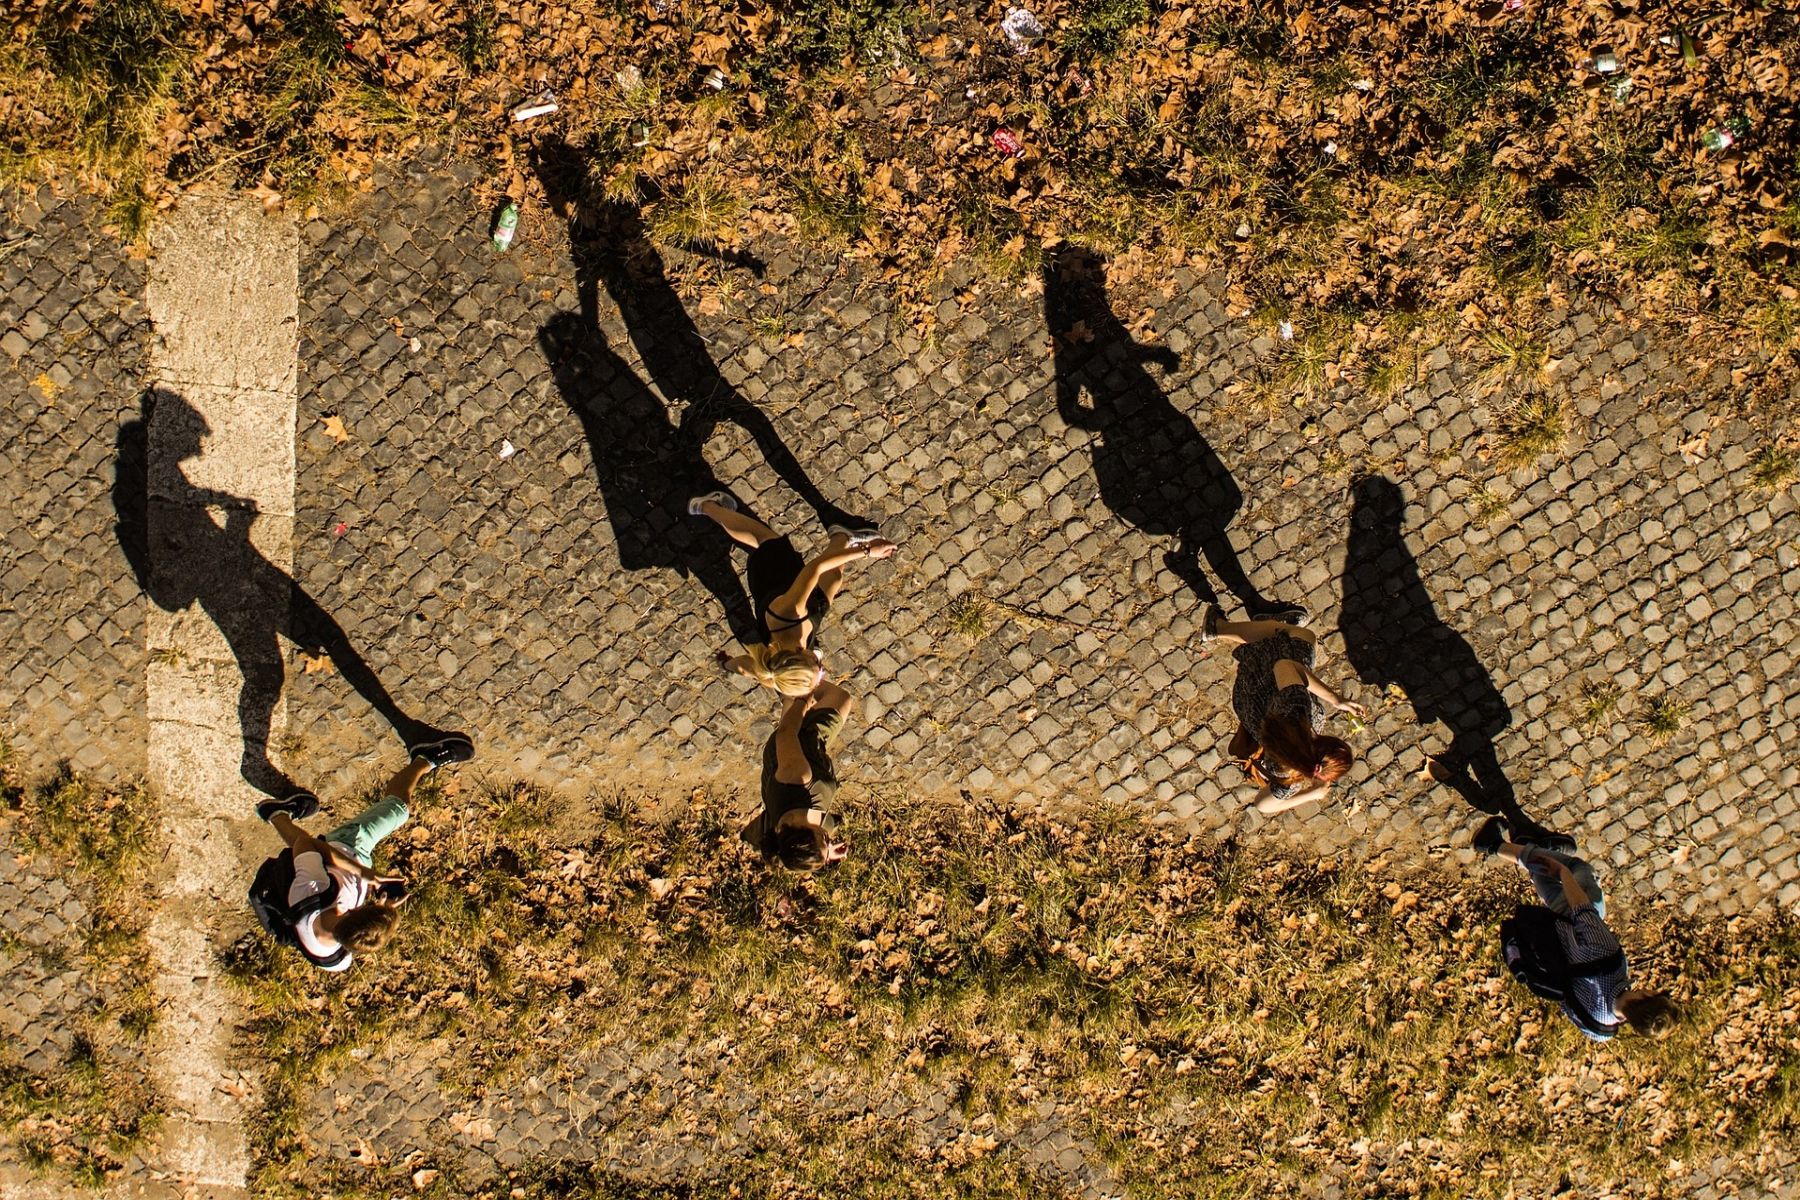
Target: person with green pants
column 337, row 906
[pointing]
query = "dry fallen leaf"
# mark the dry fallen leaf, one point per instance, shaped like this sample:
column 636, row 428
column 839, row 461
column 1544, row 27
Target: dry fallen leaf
column 315, row 664
column 334, row 429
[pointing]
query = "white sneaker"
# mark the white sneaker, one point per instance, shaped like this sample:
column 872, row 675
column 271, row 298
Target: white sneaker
column 722, row 499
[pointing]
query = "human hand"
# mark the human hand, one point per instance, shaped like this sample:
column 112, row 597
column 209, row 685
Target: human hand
column 880, row 548
column 1359, row 711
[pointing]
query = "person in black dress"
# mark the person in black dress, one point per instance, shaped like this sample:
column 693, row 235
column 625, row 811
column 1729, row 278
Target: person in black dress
column 790, row 595
column 1281, row 706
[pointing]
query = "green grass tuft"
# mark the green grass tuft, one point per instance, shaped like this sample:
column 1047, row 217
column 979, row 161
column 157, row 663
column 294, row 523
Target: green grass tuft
column 1774, row 469
column 1666, row 718
column 1532, row 427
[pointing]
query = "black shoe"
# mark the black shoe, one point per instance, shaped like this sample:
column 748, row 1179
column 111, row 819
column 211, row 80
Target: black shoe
column 1287, row 614
column 1209, row 622
column 298, row 806
column 1490, row 836
column 451, row 748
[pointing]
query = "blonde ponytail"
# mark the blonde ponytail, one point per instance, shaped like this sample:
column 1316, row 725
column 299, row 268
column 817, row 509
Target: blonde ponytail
column 790, row 672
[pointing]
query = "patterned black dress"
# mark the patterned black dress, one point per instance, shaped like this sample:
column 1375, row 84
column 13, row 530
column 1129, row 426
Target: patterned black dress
column 1255, row 697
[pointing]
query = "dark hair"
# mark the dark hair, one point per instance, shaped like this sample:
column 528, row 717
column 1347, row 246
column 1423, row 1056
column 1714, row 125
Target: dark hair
column 366, row 929
column 1296, row 751
column 1652, row 1015
column 799, row 848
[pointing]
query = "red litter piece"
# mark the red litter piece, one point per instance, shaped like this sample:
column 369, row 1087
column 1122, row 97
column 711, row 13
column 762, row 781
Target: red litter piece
column 340, row 529
column 1007, row 142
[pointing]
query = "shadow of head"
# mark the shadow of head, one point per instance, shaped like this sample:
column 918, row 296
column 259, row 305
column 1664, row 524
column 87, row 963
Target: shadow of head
column 1071, row 270
column 181, row 431
column 1377, row 503
column 570, row 179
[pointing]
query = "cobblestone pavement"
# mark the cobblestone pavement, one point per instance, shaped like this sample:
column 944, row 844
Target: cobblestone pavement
column 72, row 361
column 1033, row 636
column 490, row 590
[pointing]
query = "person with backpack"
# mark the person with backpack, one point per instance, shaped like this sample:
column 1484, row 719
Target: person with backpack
column 1563, row 950
column 798, row 825
column 321, row 895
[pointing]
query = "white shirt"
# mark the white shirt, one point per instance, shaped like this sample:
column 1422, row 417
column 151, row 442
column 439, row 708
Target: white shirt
column 312, row 875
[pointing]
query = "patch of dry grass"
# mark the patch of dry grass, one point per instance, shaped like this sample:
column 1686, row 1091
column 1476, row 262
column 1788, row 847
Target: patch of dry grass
column 84, row 1116
column 1228, row 1024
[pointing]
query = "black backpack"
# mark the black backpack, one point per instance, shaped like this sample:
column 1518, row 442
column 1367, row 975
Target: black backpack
column 1534, row 954
column 269, row 901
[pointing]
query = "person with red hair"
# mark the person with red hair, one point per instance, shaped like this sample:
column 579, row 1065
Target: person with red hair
column 1281, row 707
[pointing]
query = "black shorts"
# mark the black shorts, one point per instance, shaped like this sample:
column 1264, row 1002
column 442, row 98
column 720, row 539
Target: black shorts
column 771, row 571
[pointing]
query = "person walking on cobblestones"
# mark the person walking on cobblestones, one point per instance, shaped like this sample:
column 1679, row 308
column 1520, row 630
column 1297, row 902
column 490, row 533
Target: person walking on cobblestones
column 322, row 895
column 1281, row 706
column 799, row 822
column 181, row 556
column 1153, row 467
column 789, row 594
column 1564, row 951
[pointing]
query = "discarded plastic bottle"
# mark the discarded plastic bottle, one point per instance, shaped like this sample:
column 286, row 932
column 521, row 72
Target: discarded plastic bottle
column 1606, row 62
column 505, row 225
column 1728, row 134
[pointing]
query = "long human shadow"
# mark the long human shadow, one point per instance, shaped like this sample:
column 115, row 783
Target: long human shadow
column 1153, row 467
column 611, row 249
column 1394, row 635
column 644, row 465
column 181, row 556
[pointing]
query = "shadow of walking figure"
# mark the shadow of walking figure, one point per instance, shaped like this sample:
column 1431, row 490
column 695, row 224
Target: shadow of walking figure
column 182, row 556
column 1154, row 469
column 646, row 464
column 1394, row 635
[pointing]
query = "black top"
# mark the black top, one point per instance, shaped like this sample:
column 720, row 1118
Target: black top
column 771, row 571
column 817, row 729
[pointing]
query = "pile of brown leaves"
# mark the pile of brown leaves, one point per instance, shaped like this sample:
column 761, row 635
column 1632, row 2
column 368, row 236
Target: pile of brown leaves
column 1259, row 1021
column 1365, row 156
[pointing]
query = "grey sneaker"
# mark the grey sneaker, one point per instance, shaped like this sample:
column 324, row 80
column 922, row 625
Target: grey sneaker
column 854, row 538
column 1287, row 614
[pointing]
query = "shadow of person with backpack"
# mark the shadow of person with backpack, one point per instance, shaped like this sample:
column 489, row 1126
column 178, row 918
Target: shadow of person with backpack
column 1393, row 634
column 181, row 556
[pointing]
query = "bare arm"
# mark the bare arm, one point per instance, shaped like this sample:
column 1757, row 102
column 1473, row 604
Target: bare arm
column 1328, row 694
column 1267, row 803
column 793, row 601
column 1573, row 892
column 791, row 765
column 297, row 839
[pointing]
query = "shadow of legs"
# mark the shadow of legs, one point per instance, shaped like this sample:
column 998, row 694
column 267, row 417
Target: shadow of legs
column 315, row 629
column 704, row 417
column 259, row 662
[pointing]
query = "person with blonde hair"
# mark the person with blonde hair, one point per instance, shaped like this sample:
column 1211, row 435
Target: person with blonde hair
column 790, row 595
